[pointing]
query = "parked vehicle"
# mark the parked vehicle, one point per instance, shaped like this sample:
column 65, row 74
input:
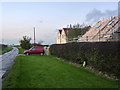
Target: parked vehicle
column 35, row 50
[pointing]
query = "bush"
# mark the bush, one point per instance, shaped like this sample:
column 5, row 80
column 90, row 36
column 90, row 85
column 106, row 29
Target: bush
column 25, row 43
column 2, row 46
column 103, row 56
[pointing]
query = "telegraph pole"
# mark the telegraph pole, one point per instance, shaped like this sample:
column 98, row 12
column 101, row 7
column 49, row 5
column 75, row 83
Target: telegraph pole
column 34, row 36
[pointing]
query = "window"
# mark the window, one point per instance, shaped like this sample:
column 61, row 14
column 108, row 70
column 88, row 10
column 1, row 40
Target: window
column 110, row 22
column 33, row 49
column 98, row 26
column 62, row 36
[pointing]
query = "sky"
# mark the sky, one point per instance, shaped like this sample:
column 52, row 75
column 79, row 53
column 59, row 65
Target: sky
column 19, row 18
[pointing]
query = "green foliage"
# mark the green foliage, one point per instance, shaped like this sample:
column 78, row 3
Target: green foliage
column 103, row 56
column 25, row 43
column 81, row 56
column 2, row 46
column 6, row 49
column 21, row 51
column 75, row 32
column 50, row 72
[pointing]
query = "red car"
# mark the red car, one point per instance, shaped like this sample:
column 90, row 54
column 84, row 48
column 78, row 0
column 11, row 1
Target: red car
column 35, row 50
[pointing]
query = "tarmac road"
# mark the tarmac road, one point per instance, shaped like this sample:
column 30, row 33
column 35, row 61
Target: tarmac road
column 6, row 62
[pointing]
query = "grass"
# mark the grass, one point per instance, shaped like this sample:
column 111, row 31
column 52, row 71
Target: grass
column 21, row 51
column 49, row 72
column 7, row 49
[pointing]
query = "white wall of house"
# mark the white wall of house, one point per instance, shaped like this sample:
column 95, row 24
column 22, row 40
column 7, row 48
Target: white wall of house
column 63, row 37
column 59, row 40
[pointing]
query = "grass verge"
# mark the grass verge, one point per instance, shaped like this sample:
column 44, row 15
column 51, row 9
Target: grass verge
column 7, row 49
column 49, row 72
column 21, row 51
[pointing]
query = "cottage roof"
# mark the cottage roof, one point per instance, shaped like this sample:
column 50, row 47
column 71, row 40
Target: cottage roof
column 60, row 31
column 65, row 29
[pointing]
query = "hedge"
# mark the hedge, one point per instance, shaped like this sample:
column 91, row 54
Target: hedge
column 103, row 56
column 2, row 46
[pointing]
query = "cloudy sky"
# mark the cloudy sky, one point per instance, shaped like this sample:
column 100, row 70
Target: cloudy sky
column 19, row 18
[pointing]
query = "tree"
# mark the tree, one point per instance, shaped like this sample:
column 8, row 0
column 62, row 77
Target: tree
column 25, row 43
column 75, row 32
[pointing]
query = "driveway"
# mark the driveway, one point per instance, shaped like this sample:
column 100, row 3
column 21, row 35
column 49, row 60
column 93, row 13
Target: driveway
column 6, row 62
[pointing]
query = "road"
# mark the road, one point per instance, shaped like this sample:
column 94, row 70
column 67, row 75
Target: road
column 6, row 62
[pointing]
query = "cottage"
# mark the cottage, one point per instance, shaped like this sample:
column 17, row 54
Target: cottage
column 62, row 36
